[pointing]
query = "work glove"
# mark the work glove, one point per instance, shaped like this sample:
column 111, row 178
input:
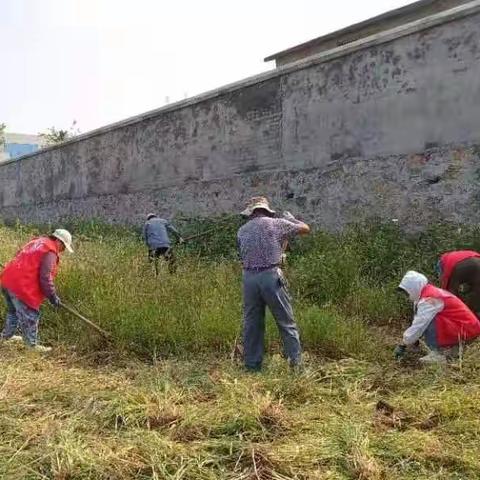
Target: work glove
column 289, row 216
column 400, row 351
column 55, row 301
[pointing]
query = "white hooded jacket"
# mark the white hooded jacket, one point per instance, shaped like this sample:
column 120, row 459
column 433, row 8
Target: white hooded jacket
column 426, row 309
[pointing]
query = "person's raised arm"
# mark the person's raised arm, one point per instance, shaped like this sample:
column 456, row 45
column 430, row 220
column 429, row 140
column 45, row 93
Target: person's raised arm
column 302, row 227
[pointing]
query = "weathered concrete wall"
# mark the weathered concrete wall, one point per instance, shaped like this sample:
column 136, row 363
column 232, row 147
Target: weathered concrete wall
column 390, row 129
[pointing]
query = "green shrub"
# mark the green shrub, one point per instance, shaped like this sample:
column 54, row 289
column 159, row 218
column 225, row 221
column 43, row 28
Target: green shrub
column 326, row 273
column 329, row 333
column 376, row 305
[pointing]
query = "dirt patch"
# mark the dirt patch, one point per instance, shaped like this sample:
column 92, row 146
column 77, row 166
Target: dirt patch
column 274, row 418
column 387, row 417
column 163, row 420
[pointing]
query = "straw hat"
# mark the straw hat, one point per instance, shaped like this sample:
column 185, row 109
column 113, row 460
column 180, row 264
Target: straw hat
column 257, row 203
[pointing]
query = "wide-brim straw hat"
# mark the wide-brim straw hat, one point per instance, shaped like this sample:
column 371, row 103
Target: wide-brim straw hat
column 257, row 203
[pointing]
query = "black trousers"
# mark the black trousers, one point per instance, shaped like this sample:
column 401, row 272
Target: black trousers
column 154, row 254
column 465, row 283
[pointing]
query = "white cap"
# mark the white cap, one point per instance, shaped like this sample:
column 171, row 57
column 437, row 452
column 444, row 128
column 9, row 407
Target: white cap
column 65, row 237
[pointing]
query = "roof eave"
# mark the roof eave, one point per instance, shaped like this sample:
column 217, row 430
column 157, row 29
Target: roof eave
column 350, row 29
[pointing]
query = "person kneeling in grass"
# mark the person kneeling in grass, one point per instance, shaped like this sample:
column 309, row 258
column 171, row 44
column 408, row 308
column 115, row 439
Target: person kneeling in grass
column 27, row 281
column 441, row 318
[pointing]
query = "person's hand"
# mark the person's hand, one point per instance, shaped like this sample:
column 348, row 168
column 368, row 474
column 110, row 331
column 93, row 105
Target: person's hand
column 288, row 216
column 181, row 240
column 400, row 351
column 55, row 301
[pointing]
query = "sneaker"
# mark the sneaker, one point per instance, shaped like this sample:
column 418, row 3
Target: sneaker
column 41, row 348
column 15, row 338
column 434, row 357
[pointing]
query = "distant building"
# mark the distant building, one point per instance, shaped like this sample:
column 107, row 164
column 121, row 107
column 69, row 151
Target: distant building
column 386, row 21
column 18, row 144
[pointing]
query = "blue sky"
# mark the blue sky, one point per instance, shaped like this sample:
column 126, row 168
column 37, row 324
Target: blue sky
column 100, row 61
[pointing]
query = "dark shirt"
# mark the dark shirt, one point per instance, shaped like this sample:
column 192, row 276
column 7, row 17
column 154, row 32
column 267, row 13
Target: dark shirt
column 49, row 260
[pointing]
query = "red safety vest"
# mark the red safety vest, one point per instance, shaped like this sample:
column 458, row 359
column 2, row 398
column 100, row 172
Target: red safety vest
column 448, row 262
column 21, row 276
column 456, row 322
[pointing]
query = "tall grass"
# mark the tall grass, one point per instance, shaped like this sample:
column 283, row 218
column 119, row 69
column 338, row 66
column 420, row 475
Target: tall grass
column 197, row 416
column 342, row 284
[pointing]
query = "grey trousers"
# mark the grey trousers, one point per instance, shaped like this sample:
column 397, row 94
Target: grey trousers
column 262, row 289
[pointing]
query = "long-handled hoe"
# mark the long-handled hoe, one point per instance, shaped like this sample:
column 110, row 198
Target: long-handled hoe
column 198, row 235
column 102, row 332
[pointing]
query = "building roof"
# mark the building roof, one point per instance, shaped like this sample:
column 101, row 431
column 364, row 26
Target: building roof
column 357, row 27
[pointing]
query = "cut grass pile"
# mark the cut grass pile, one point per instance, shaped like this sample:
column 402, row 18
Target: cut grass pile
column 67, row 416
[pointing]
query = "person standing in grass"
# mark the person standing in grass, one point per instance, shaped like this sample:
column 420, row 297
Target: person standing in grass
column 441, row 318
column 27, row 281
column 261, row 241
column 155, row 235
column 461, row 268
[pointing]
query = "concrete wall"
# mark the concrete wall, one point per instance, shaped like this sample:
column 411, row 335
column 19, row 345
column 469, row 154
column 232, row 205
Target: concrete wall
column 387, row 128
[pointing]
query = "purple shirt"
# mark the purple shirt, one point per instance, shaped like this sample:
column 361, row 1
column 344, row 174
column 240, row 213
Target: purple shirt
column 49, row 260
column 261, row 240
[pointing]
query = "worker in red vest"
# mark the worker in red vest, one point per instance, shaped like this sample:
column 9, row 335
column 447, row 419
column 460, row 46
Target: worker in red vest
column 27, row 281
column 441, row 318
column 461, row 268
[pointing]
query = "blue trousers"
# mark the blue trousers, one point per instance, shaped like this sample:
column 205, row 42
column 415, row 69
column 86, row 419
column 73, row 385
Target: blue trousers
column 430, row 336
column 20, row 316
column 262, row 289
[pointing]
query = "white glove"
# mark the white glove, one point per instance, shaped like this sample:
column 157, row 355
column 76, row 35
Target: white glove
column 289, row 216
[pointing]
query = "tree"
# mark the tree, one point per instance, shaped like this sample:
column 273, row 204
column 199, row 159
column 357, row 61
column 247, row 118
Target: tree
column 2, row 134
column 54, row 137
